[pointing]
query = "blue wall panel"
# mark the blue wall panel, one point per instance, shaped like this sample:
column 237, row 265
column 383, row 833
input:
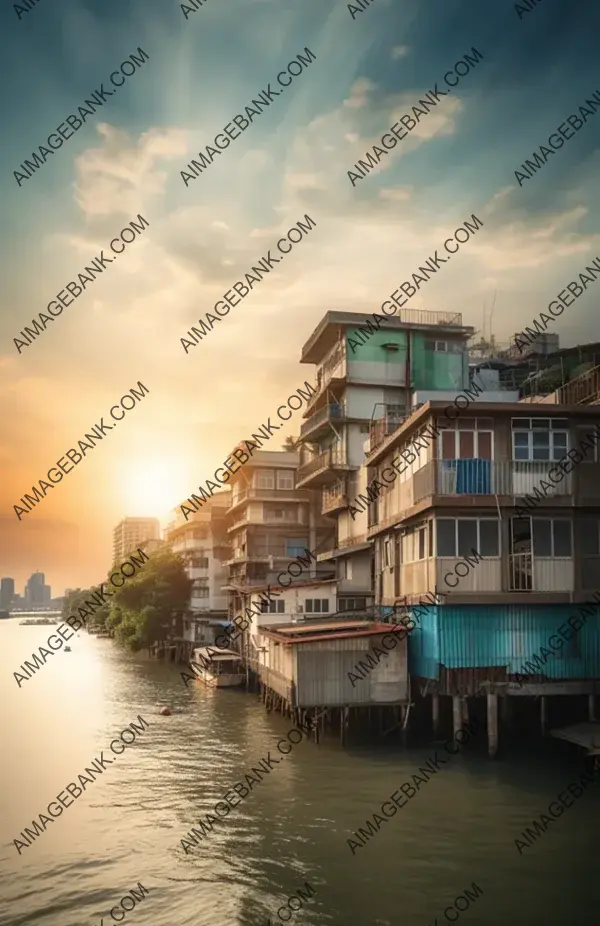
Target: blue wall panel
column 475, row 636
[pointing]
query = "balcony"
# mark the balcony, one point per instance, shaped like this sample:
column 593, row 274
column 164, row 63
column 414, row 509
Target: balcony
column 318, row 424
column 584, row 390
column 382, row 428
column 530, row 573
column 324, row 468
column 268, row 519
column 268, row 495
column 515, row 478
column 334, row 498
column 332, row 370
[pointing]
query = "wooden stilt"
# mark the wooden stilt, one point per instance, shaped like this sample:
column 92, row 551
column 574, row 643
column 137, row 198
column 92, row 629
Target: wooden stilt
column 435, row 714
column 492, row 724
column 465, row 712
column 543, row 714
column 456, row 714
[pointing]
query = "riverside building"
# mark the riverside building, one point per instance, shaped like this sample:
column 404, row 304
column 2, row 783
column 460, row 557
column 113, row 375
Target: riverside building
column 202, row 542
column 519, row 483
column 365, row 374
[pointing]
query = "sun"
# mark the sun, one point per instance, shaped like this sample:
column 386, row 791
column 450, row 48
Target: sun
column 154, row 487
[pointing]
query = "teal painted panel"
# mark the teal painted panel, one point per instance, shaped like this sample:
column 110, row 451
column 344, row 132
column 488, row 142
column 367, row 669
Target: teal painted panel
column 370, row 350
column 503, row 635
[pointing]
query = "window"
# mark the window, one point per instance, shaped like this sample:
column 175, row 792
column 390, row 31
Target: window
column 285, row 479
column 551, row 537
column 540, row 438
column 345, row 568
column 265, row 479
column 200, row 592
column 460, row 536
column 316, row 605
column 414, row 545
column 352, row 604
column 387, row 553
column 295, row 547
column 199, row 562
column 590, row 536
column 272, row 607
column 472, row 440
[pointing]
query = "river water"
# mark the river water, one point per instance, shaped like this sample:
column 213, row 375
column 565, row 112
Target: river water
column 291, row 829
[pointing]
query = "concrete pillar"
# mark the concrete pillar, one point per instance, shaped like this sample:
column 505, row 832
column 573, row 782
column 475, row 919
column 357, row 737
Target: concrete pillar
column 435, row 713
column 591, row 708
column 465, row 711
column 492, row 724
column 456, row 713
column 543, row 714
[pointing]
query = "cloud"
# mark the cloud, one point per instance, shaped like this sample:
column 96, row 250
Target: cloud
column 120, row 176
column 399, row 51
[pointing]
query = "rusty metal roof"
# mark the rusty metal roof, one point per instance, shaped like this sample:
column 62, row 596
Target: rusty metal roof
column 293, row 635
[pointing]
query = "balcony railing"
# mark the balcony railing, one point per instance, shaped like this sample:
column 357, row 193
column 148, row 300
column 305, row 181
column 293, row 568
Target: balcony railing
column 382, row 428
column 328, row 460
column 332, row 412
column 487, row 477
column 422, row 317
column 334, row 497
column 584, row 390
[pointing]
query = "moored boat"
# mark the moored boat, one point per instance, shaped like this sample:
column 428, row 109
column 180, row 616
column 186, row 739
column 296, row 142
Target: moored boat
column 221, row 668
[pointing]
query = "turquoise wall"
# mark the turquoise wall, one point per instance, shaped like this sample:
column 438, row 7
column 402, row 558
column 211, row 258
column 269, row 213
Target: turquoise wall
column 429, row 369
column 478, row 636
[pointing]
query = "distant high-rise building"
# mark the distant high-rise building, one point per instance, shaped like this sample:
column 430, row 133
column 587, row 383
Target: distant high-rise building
column 7, row 593
column 34, row 589
column 130, row 533
column 47, row 594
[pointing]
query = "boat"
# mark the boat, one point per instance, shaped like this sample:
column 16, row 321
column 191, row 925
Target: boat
column 219, row 668
column 67, row 649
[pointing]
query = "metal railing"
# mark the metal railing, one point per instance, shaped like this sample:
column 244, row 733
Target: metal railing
column 331, row 412
column 382, row 428
column 583, row 390
column 487, row 477
column 520, row 569
column 331, row 458
column 334, row 496
column 423, row 317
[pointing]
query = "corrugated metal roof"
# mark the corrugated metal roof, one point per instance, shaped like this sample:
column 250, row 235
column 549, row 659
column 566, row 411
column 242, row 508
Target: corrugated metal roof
column 313, row 635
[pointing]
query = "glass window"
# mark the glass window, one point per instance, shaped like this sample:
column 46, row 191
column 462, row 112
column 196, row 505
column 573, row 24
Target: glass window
column 467, row 536
column 324, row 605
column 285, row 480
column 542, row 537
column 589, row 533
column 295, row 548
column 561, row 537
column 264, row 607
column 422, row 543
column 446, row 539
column 265, row 479
column 488, row 538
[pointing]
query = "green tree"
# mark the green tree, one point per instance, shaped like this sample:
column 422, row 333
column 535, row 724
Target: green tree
column 150, row 604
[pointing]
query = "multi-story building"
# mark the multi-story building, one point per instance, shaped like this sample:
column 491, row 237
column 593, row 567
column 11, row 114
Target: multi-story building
column 34, row 590
column 130, row 533
column 271, row 522
column 500, row 541
column 365, row 376
column 7, row 591
column 202, row 543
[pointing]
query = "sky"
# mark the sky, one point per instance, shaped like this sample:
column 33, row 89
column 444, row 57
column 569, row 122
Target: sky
column 371, row 67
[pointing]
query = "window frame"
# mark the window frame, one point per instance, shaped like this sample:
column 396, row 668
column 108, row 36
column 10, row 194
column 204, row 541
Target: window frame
column 456, row 554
